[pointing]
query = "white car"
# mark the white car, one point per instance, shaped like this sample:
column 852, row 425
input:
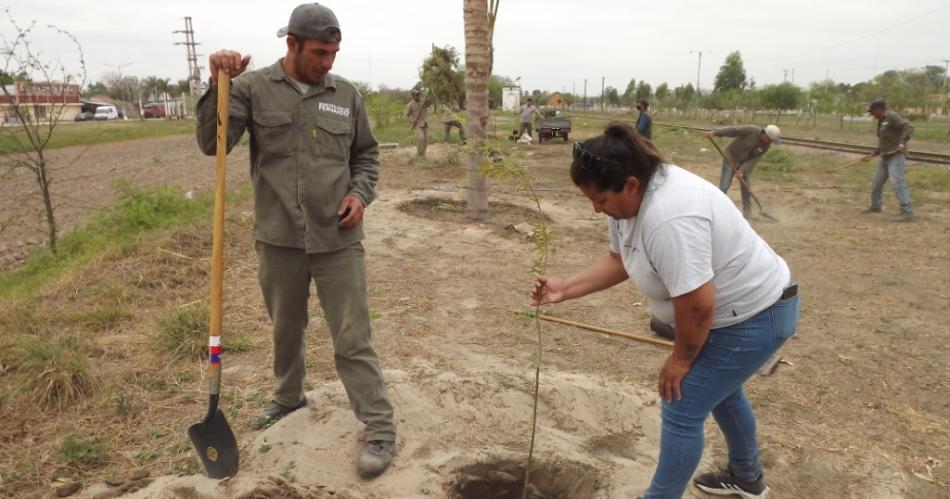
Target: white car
column 106, row 113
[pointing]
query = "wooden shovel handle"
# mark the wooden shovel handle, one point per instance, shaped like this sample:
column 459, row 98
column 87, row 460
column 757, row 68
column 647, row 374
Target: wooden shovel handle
column 217, row 235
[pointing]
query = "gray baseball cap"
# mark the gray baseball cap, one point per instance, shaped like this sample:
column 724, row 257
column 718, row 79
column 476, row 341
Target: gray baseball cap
column 312, row 20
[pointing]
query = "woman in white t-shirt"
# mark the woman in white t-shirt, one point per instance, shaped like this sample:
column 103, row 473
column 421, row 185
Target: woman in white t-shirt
column 704, row 269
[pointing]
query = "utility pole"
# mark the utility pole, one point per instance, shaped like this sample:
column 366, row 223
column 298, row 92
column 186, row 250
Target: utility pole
column 118, row 68
column 602, row 94
column 785, row 75
column 585, row 94
column 945, row 69
column 194, row 71
column 699, row 67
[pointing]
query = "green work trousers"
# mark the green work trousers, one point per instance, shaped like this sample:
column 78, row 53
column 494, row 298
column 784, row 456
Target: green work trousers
column 422, row 139
column 340, row 278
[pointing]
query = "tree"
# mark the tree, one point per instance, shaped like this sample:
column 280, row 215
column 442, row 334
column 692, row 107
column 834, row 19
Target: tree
column 163, row 88
column 630, row 94
column 643, row 90
column 781, row 97
column 10, row 79
column 662, row 91
column 684, row 95
column 182, row 87
column 731, row 74
column 494, row 89
column 479, row 17
column 38, row 107
column 441, row 75
column 97, row 88
column 613, row 96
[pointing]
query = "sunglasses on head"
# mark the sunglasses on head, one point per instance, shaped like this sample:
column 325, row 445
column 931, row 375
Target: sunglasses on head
column 580, row 152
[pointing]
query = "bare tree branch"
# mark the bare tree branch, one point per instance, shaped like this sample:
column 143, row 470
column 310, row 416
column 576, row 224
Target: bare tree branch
column 39, row 112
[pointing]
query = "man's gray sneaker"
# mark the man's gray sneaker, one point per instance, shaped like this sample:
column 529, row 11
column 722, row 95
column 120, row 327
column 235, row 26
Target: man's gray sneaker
column 375, row 458
column 871, row 209
column 905, row 217
column 272, row 414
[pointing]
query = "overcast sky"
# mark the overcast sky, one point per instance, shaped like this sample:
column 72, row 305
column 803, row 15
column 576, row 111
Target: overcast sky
column 551, row 44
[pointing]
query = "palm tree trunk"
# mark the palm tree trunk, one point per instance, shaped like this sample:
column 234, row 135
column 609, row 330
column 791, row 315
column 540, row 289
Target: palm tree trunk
column 477, row 74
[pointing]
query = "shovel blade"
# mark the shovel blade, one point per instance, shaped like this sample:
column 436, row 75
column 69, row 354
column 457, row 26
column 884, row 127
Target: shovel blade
column 216, row 446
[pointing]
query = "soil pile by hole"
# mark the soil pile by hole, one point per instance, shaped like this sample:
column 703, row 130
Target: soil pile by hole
column 501, row 216
column 505, row 480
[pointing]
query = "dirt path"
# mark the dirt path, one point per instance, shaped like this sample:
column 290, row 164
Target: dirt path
column 859, row 410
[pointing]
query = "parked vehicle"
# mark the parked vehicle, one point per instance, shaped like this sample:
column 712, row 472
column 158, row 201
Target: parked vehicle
column 153, row 111
column 553, row 126
column 106, row 113
column 84, row 116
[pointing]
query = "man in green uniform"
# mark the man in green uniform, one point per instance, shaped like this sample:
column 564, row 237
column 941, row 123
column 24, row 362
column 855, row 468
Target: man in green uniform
column 416, row 111
column 314, row 167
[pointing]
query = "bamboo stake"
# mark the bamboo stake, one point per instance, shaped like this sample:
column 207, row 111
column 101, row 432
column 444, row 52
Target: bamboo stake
column 603, row 330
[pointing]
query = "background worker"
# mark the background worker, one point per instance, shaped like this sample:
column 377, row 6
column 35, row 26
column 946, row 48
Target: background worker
column 644, row 120
column 527, row 117
column 314, row 167
column 417, row 112
column 451, row 120
column 749, row 144
column 704, row 268
column 893, row 132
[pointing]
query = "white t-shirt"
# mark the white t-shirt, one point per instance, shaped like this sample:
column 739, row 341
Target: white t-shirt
column 687, row 233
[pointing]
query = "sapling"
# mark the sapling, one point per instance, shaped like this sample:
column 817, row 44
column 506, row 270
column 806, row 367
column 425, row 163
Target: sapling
column 509, row 168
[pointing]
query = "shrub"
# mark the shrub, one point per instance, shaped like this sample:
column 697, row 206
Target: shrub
column 184, row 333
column 80, row 452
column 778, row 160
column 55, row 369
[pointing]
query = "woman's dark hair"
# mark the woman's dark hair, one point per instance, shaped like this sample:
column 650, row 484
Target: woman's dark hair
column 608, row 160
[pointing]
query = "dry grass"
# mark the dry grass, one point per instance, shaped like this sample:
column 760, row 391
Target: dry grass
column 84, row 349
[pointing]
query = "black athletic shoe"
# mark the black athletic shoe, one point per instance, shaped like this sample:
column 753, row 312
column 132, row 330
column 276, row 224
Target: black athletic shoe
column 724, row 483
column 272, row 414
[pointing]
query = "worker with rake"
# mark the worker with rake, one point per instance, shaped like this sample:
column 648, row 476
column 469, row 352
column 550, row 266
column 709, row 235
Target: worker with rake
column 704, row 269
column 893, row 132
column 749, row 144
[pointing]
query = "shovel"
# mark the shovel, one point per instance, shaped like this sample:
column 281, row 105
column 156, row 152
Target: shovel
column 213, row 439
column 742, row 181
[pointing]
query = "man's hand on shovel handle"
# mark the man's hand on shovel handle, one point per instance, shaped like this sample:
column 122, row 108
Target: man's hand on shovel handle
column 229, row 61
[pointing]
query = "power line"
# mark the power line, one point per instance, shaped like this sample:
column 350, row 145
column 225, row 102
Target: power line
column 862, row 37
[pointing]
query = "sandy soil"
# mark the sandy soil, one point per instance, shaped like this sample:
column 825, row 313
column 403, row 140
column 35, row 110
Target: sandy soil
column 859, row 411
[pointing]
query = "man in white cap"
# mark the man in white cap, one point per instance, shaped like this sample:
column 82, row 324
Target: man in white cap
column 749, row 144
column 314, row 167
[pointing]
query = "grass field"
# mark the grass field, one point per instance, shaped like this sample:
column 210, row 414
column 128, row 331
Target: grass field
column 97, row 132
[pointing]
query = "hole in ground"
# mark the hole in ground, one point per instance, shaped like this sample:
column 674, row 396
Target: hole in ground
column 502, row 217
column 505, row 480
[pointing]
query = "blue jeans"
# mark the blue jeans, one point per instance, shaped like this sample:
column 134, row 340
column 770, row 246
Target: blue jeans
column 891, row 167
column 725, row 180
column 714, row 384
